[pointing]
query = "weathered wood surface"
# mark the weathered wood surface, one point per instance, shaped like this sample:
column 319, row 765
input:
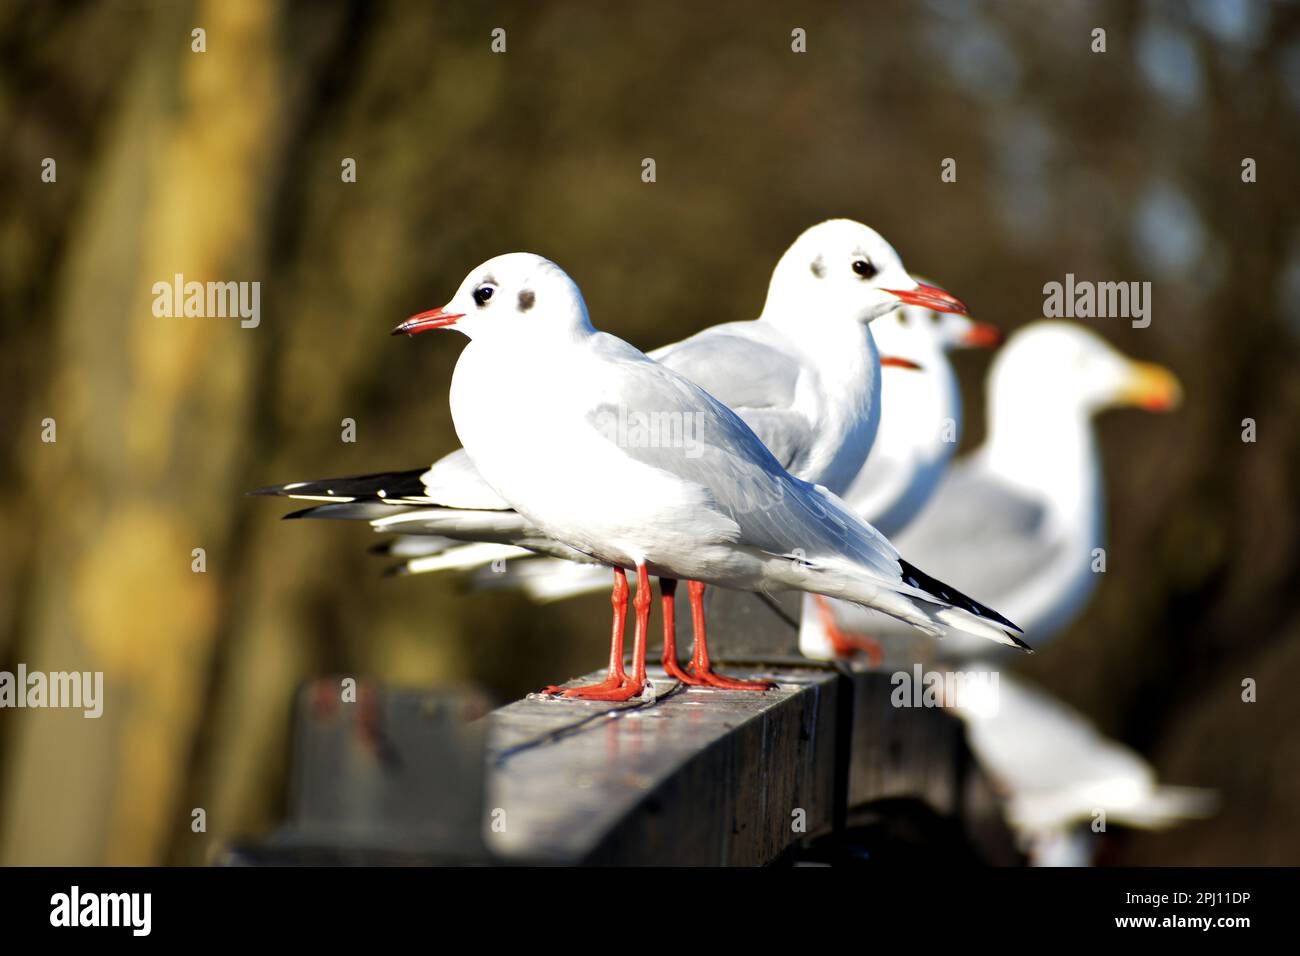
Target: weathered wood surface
column 391, row 776
column 691, row 777
column 824, row 767
column 921, row 755
column 699, row 776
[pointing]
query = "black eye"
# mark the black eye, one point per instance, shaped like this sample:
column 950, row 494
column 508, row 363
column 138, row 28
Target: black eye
column 865, row 268
column 482, row 294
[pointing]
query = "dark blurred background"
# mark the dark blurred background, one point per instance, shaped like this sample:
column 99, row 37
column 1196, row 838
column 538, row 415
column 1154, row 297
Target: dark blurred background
column 225, row 165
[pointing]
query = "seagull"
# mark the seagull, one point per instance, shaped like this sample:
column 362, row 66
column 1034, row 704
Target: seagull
column 1020, row 518
column 1023, row 515
column 803, row 375
column 700, row 497
column 920, row 427
column 1057, row 771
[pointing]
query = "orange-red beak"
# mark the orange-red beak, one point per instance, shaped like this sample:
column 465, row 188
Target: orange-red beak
column 981, row 335
column 893, row 361
column 931, row 297
column 1153, row 388
column 424, row 321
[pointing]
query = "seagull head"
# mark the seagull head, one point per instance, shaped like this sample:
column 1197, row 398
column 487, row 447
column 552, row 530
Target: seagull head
column 842, row 270
column 1054, row 364
column 506, row 296
column 920, row 335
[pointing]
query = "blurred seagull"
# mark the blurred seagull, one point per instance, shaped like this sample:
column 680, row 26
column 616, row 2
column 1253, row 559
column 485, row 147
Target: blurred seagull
column 804, row 376
column 1057, row 771
column 1022, row 515
column 1019, row 519
column 720, row 510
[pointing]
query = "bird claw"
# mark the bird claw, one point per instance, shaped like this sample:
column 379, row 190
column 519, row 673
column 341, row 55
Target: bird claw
column 627, row 691
column 675, row 672
column 618, row 689
column 560, row 690
column 729, row 683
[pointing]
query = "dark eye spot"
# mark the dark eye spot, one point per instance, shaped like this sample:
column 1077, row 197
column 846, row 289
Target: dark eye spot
column 818, row 267
column 526, row 300
column 865, row 268
column 482, row 294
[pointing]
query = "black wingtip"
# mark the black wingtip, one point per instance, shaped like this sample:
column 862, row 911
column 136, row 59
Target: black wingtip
column 383, row 547
column 1019, row 643
column 396, row 571
column 378, row 486
column 917, row 578
column 304, row 513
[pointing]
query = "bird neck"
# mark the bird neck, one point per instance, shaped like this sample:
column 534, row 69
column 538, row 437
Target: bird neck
column 920, row 403
column 840, row 349
column 1039, row 444
column 841, row 398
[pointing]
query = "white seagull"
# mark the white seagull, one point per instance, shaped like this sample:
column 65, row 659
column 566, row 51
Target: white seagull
column 1058, row 772
column 803, row 375
column 717, row 508
column 1022, row 516
column 920, row 428
column 1019, row 519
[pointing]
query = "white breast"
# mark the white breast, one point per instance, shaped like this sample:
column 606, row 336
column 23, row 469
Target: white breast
column 537, row 449
column 841, row 396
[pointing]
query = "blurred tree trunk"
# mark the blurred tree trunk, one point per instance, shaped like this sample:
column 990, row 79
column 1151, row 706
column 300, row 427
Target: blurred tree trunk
column 151, row 414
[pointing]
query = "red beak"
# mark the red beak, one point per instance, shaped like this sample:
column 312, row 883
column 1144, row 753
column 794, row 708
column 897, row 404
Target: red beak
column 424, row 321
column 931, row 297
column 982, row 336
column 893, row 361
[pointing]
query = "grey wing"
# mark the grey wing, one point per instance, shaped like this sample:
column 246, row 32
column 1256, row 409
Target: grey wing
column 748, row 368
column 786, row 433
column 979, row 532
column 741, row 364
column 880, row 493
column 773, row 511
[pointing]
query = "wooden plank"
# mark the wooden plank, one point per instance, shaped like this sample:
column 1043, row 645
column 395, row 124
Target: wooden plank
column 382, row 776
column 895, row 754
column 700, row 776
column 920, row 754
column 902, row 751
column 693, row 776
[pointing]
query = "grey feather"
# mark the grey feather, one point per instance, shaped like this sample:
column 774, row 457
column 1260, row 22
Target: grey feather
column 980, row 531
column 747, row 367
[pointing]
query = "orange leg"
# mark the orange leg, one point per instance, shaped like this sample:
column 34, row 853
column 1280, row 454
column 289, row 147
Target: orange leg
column 700, row 667
column 616, row 676
column 633, row 685
column 845, row 644
column 668, row 603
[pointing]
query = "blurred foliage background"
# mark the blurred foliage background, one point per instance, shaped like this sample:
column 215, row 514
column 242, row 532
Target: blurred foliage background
column 226, row 165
